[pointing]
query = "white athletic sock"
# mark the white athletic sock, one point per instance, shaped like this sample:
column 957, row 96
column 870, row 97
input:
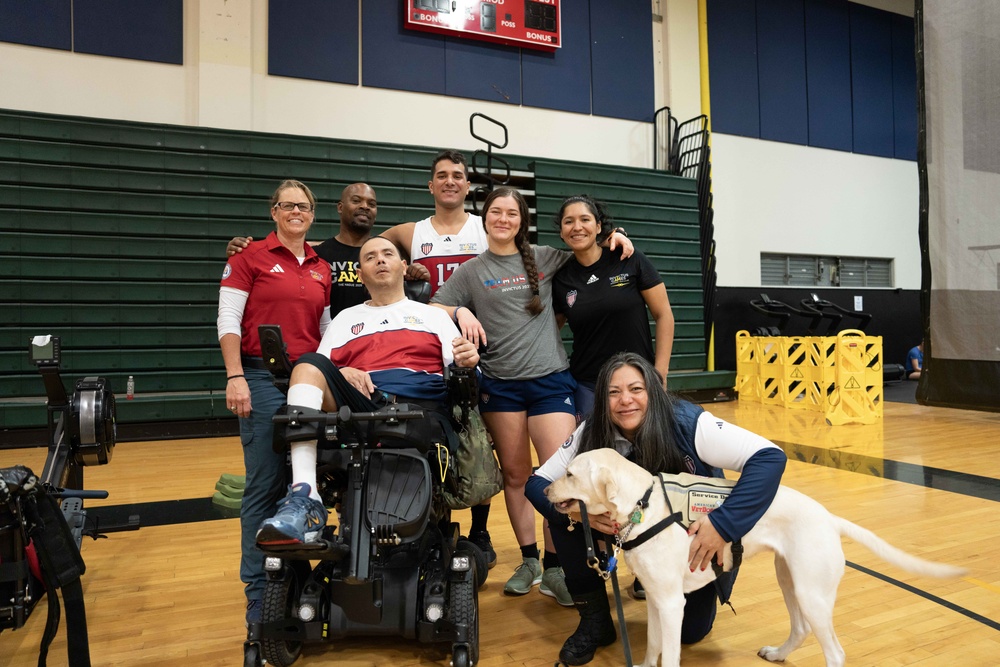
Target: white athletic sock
column 304, row 452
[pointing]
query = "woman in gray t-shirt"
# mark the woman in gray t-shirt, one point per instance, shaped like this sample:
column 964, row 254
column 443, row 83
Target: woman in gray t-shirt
column 526, row 391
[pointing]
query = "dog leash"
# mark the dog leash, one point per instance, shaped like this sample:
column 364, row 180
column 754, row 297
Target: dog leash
column 611, row 572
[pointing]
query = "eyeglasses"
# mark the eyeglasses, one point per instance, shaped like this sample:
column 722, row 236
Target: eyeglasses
column 304, row 206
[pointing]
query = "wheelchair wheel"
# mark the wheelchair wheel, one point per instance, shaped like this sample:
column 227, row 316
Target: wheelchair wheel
column 464, row 608
column 460, row 657
column 482, row 565
column 280, row 596
column 251, row 655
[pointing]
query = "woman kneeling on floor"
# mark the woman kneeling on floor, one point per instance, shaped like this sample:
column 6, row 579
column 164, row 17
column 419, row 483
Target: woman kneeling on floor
column 634, row 414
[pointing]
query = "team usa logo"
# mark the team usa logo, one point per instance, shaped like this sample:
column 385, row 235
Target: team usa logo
column 316, row 275
column 569, row 441
column 226, row 272
column 426, row 248
column 358, row 328
column 570, row 298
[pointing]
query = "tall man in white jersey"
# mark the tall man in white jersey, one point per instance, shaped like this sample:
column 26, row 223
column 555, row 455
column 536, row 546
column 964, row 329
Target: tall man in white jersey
column 450, row 237
column 441, row 243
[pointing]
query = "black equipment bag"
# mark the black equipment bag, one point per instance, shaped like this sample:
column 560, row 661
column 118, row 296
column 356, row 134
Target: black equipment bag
column 44, row 524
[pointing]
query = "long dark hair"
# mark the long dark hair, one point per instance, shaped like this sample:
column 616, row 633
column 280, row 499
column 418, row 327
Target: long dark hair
column 520, row 242
column 654, row 446
column 597, row 209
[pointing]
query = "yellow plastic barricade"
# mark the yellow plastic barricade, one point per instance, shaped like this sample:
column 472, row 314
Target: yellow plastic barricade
column 840, row 376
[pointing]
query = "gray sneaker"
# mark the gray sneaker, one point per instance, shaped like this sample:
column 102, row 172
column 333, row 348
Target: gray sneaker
column 527, row 574
column 554, row 585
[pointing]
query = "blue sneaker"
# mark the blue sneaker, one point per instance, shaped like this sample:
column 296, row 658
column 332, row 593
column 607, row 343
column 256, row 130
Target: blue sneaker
column 299, row 520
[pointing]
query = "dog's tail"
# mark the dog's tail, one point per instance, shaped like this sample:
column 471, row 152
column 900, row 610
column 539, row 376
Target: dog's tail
column 894, row 556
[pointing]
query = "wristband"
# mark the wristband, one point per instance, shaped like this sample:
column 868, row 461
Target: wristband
column 233, row 377
column 454, row 315
column 620, row 230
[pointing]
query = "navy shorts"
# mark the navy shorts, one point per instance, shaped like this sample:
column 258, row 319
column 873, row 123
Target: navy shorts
column 537, row 396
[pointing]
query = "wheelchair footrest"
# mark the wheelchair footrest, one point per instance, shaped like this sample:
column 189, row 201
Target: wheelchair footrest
column 319, row 550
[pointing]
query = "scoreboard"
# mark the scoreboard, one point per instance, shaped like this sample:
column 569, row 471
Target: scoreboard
column 532, row 24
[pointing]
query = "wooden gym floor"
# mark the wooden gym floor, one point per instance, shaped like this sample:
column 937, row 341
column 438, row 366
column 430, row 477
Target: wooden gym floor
column 926, row 479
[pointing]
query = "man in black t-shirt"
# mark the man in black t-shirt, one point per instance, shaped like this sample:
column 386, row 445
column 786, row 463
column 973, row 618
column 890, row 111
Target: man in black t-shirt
column 357, row 208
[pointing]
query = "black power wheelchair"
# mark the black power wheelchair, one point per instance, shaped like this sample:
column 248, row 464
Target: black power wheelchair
column 395, row 564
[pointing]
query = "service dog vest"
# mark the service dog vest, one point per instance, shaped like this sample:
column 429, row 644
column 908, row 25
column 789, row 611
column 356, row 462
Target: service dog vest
column 694, row 496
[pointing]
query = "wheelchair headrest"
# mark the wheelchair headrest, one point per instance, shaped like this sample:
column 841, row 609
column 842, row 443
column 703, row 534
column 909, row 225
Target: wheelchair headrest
column 417, row 290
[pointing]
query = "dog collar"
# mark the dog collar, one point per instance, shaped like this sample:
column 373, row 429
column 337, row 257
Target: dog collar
column 656, row 529
column 636, row 515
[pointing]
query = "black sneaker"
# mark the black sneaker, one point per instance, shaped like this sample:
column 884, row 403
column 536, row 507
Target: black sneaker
column 481, row 539
column 638, row 592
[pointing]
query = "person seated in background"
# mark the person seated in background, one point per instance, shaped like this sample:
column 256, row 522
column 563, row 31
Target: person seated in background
column 915, row 362
column 373, row 354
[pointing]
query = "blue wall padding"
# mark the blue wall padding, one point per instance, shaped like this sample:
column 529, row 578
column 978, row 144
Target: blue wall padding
column 561, row 80
column 138, row 29
column 482, row 71
column 36, row 23
column 828, row 74
column 394, row 57
column 402, row 59
column 732, row 58
column 871, row 81
column 622, row 59
column 904, row 88
column 781, row 68
column 313, row 39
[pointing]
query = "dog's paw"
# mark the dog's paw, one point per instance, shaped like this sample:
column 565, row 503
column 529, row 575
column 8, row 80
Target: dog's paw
column 771, row 654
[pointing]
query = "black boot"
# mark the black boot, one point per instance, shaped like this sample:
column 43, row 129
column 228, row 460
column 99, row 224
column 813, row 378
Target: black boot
column 596, row 628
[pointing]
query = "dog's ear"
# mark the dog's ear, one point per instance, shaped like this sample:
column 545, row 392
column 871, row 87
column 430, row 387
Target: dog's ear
column 608, row 486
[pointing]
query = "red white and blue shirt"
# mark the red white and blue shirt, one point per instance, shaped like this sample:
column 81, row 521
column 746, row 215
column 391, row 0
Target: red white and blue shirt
column 404, row 346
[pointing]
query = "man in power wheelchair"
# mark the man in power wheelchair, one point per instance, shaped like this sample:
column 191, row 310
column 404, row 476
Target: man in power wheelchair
column 374, row 398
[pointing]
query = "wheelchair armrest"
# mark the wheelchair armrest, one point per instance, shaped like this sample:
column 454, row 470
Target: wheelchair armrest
column 275, row 353
column 463, row 388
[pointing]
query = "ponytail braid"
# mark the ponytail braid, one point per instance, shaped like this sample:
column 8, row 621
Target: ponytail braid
column 531, row 272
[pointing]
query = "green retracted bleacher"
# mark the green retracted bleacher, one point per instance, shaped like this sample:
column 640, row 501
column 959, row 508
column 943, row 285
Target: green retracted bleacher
column 113, row 234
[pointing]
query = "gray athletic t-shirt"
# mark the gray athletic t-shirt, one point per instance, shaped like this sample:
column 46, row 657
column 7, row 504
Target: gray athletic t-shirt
column 494, row 287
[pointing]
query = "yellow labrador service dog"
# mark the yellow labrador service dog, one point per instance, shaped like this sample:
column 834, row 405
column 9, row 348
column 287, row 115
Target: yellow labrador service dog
column 803, row 535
